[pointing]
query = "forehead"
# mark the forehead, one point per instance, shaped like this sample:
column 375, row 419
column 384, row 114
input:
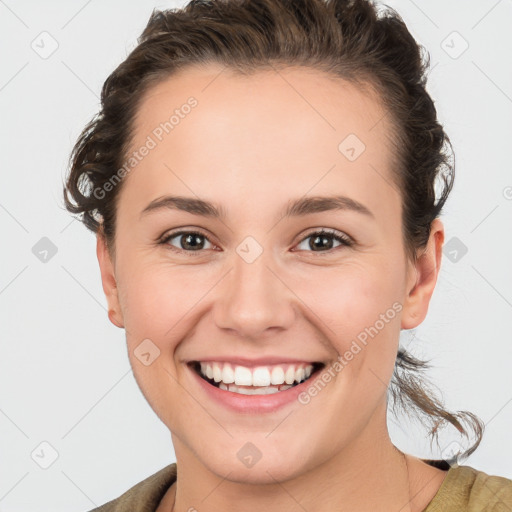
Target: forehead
column 301, row 99
column 269, row 134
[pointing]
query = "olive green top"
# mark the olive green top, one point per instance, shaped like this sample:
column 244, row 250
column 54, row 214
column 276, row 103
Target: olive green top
column 463, row 489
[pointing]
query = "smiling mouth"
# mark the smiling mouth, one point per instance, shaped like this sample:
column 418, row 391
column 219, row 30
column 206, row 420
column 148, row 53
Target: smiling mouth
column 262, row 380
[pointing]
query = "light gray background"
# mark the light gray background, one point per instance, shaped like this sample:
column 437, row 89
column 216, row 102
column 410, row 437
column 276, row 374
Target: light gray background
column 65, row 378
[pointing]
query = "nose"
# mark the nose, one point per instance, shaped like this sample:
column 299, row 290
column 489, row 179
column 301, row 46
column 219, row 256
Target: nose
column 254, row 300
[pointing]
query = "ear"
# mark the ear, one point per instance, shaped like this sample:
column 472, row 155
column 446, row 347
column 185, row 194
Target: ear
column 422, row 278
column 108, row 280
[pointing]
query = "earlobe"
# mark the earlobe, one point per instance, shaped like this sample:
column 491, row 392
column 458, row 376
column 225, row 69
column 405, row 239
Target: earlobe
column 108, row 280
column 426, row 271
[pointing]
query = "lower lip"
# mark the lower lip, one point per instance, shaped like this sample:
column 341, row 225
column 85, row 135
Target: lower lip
column 252, row 403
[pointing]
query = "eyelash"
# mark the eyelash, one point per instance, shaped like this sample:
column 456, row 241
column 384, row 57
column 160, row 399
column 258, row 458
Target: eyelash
column 345, row 240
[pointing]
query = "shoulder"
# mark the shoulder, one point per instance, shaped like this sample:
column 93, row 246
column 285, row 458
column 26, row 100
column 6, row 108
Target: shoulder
column 468, row 489
column 145, row 495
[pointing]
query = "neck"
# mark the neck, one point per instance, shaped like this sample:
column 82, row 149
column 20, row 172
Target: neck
column 369, row 474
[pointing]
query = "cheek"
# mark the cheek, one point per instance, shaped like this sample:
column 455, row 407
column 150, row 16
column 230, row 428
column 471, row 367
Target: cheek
column 156, row 298
column 158, row 305
column 348, row 298
column 358, row 306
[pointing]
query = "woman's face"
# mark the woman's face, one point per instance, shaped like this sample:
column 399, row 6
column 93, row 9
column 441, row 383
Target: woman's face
column 255, row 287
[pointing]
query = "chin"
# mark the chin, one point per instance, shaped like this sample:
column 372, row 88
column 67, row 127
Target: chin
column 268, row 469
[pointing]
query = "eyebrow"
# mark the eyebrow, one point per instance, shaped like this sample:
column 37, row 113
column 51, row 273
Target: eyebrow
column 296, row 208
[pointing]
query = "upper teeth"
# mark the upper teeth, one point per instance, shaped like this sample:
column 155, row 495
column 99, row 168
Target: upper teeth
column 257, row 376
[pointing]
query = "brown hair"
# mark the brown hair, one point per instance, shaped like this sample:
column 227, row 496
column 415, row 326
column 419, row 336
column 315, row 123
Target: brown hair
column 347, row 39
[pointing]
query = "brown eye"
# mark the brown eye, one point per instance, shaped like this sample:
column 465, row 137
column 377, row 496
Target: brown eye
column 188, row 241
column 322, row 241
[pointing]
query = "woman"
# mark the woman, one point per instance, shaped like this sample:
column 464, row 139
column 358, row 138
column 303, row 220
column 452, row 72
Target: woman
column 262, row 181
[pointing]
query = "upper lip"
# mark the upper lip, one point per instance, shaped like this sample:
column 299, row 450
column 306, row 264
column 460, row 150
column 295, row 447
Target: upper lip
column 260, row 361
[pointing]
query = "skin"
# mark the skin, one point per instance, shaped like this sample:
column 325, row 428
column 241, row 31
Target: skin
column 246, row 135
